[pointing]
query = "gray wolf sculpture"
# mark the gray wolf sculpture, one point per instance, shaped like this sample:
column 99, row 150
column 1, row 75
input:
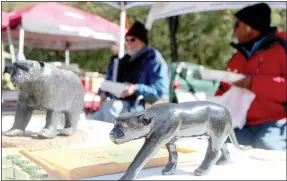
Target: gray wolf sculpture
column 162, row 124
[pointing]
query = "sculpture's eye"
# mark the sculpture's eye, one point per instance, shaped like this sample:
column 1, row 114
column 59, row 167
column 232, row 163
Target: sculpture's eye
column 146, row 120
column 42, row 64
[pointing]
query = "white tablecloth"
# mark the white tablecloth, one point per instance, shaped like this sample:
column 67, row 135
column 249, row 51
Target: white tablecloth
column 244, row 164
column 9, row 95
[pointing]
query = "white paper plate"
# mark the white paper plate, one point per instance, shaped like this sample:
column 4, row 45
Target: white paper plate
column 114, row 88
column 225, row 76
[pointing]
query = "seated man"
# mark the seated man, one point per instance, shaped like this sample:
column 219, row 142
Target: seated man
column 144, row 71
column 261, row 57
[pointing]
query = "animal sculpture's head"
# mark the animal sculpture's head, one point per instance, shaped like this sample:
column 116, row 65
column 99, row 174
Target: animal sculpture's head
column 26, row 71
column 131, row 126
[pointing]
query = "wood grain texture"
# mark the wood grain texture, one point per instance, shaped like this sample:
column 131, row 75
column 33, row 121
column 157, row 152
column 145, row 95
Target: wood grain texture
column 92, row 161
column 31, row 143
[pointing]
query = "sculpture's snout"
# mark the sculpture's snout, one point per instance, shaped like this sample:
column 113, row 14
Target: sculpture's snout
column 113, row 138
column 115, row 134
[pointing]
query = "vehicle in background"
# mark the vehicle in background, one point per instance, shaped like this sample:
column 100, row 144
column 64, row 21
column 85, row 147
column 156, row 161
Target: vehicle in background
column 186, row 83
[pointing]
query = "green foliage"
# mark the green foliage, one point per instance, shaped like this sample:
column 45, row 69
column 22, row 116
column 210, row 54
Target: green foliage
column 202, row 38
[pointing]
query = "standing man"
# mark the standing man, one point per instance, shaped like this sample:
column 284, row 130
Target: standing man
column 145, row 73
column 261, row 56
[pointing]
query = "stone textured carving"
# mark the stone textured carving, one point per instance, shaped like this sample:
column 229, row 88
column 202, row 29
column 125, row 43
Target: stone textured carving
column 45, row 87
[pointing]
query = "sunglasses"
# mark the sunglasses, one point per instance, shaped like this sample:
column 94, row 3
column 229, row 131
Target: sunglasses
column 130, row 39
column 236, row 24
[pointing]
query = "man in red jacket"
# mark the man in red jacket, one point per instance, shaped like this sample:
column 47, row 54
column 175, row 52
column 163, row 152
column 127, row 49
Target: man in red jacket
column 261, row 57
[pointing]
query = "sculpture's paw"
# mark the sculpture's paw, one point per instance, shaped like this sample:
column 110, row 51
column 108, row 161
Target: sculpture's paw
column 222, row 161
column 67, row 132
column 200, row 172
column 125, row 177
column 169, row 169
column 47, row 133
column 14, row 132
column 224, row 158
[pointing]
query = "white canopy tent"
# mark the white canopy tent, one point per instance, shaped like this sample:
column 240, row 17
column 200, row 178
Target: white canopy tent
column 160, row 10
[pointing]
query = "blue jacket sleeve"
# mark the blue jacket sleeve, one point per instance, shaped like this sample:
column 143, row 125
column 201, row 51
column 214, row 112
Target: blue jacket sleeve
column 109, row 74
column 159, row 83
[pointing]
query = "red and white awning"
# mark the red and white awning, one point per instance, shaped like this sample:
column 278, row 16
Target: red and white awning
column 54, row 26
column 4, row 19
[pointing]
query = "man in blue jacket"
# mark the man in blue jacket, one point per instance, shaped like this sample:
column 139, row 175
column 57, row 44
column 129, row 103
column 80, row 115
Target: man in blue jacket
column 144, row 71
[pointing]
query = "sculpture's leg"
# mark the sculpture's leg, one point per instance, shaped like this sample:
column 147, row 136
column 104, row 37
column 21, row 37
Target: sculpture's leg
column 71, row 120
column 172, row 160
column 147, row 151
column 211, row 156
column 22, row 118
column 52, row 122
column 225, row 156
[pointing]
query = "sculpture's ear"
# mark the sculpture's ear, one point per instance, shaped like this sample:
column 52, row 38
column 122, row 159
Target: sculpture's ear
column 145, row 119
column 42, row 64
column 125, row 116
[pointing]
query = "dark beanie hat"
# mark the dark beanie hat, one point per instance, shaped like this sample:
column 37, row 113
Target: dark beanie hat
column 138, row 30
column 258, row 16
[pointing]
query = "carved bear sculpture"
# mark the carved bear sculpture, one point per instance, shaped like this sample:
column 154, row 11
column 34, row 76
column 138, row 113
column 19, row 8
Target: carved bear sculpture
column 162, row 124
column 45, row 87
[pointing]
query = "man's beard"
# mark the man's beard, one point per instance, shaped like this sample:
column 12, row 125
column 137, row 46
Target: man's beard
column 235, row 39
column 131, row 52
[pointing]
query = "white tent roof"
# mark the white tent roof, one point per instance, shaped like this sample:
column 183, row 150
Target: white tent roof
column 160, row 10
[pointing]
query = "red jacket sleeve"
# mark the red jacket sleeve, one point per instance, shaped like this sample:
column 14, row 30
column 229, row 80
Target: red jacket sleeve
column 223, row 87
column 272, row 88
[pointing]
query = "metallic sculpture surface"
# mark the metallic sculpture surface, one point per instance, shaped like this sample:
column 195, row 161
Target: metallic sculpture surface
column 163, row 124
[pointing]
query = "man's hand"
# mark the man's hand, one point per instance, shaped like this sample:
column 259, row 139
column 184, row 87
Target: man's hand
column 130, row 90
column 243, row 83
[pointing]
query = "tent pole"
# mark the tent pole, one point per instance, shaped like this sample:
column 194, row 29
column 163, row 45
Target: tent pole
column 173, row 26
column 67, row 54
column 21, row 55
column 122, row 41
column 11, row 46
column 123, row 30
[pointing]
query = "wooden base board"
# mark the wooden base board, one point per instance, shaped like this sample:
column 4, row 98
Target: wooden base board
column 92, row 161
column 31, row 143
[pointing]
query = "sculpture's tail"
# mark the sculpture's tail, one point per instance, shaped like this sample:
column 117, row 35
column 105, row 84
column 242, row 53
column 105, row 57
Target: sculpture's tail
column 233, row 139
